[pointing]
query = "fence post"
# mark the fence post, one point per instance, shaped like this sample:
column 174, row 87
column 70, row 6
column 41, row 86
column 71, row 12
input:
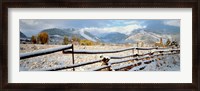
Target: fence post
column 73, row 56
column 137, row 48
column 133, row 52
column 105, row 61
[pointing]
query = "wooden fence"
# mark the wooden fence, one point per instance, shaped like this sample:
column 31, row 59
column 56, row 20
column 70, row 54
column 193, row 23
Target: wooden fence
column 136, row 61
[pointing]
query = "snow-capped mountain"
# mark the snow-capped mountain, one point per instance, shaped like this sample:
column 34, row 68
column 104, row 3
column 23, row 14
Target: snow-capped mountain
column 70, row 32
column 148, row 37
column 89, row 36
column 144, row 35
column 113, row 37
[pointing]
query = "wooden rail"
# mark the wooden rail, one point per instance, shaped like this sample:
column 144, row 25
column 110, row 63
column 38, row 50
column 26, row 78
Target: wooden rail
column 150, row 53
column 99, row 68
column 143, row 56
column 110, row 51
column 105, row 61
column 137, row 63
column 44, row 51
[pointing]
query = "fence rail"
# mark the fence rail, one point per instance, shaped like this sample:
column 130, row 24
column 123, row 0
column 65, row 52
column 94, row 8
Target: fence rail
column 44, row 51
column 155, row 52
column 99, row 68
column 138, row 62
column 110, row 51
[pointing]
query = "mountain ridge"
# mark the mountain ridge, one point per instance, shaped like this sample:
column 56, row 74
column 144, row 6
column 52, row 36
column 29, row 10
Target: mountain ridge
column 22, row 35
column 71, row 32
column 137, row 35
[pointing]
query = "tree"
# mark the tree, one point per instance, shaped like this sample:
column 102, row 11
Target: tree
column 38, row 40
column 86, row 42
column 33, row 39
column 66, row 40
column 77, row 39
column 43, row 37
column 73, row 38
column 168, row 42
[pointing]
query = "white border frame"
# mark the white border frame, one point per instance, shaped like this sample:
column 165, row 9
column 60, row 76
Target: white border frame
column 183, row 76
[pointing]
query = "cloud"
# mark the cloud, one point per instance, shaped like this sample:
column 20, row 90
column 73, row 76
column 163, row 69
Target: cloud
column 31, row 27
column 124, row 22
column 122, row 29
column 132, row 22
column 34, row 24
column 175, row 23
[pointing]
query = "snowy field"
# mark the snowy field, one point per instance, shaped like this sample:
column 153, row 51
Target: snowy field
column 167, row 63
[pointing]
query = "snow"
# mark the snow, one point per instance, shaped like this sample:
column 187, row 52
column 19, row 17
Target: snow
column 86, row 36
column 167, row 62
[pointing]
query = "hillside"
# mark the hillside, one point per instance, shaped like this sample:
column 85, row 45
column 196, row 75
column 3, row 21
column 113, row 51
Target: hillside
column 22, row 35
column 114, row 37
column 145, row 35
column 57, row 35
column 89, row 36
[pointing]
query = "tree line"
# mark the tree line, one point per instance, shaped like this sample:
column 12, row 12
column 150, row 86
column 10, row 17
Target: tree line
column 43, row 38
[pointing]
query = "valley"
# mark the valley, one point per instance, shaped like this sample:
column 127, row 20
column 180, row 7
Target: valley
column 56, row 36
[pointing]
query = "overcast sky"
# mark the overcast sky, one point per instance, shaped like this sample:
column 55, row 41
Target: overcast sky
column 33, row 26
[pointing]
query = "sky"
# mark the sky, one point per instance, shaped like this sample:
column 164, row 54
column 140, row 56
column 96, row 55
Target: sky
column 33, row 26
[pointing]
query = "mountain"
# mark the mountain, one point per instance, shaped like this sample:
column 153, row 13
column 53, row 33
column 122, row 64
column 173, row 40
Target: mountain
column 147, row 36
column 61, row 32
column 113, row 37
column 135, row 36
column 89, row 36
column 56, row 33
column 142, row 35
column 160, row 28
column 22, row 35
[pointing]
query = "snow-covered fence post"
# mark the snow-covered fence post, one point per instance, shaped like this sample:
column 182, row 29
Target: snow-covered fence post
column 73, row 56
column 105, row 61
column 133, row 52
column 137, row 47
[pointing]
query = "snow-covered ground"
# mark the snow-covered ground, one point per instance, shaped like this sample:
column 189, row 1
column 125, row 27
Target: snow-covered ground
column 167, row 63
